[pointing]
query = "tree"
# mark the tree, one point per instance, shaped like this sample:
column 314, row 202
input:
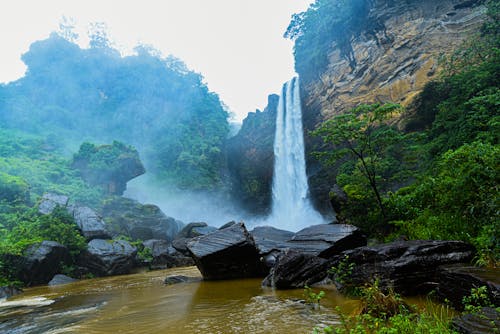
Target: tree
column 365, row 135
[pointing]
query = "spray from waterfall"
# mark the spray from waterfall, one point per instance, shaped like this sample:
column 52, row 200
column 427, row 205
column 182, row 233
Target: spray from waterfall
column 291, row 205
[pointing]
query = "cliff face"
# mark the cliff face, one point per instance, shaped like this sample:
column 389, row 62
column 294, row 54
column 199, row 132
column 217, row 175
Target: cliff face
column 392, row 64
column 251, row 158
column 399, row 59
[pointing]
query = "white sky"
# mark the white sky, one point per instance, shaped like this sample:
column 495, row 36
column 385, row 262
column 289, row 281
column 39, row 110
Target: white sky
column 237, row 45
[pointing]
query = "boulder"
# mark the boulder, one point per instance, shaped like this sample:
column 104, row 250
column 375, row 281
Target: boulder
column 326, row 240
column 226, row 254
column 270, row 241
column 485, row 321
column 61, row 279
column 228, row 224
column 9, row 291
column 296, row 270
column 138, row 221
column 409, row 267
column 108, row 257
column 176, row 279
column 42, row 261
column 165, row 256
column 50, row 201
column 195, row 229
column 456, row 282
column 90, row 223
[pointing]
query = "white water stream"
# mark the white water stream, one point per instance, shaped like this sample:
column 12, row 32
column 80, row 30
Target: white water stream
column 291, row 206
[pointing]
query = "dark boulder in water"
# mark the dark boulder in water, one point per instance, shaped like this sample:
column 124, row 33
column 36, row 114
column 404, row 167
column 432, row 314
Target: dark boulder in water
column 42, row 261
column 108, row 257
column 61, row 279
column 226, row 254
column 296, row 270
column 270, row 241
column 166, row 256
column 409, row 267
column 176, row 279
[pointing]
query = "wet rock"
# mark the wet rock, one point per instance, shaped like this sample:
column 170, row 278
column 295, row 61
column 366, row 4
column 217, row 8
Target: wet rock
column 484, row 322
column 61, row 279
column 165, row 256
column 42, row 261
column 270, row 241
column 226, row 254
column 195, row 229
column 108, row 257
column 296, row 270
column 409, row 267
column 228, row 224
column 9, row 291
column 138, row 221
column 180, row 245
column 90, row 223
column 50, row 201
column 456, row 282
column 326, row 240
column 176, row 279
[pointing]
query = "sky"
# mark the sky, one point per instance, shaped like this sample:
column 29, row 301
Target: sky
column 237, row 45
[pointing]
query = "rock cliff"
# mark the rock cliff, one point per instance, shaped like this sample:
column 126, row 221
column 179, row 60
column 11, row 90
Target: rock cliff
column 392, row 62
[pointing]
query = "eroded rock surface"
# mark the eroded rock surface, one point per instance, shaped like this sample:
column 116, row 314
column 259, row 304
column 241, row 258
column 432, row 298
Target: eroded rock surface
column 108, row 257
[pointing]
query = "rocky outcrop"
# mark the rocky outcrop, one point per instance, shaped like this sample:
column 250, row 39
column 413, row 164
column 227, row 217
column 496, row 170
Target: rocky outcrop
column 50, row 201
column 60, row 280
column 409, row 267
column 226, row 254
column 166, row 256
column 42, row 261
column 108, row 166
column 195, row 229
column 296, row 270
column 90, row 223
column 456, row 282
column 108, row 257
column 138, row 221
column 251, row 158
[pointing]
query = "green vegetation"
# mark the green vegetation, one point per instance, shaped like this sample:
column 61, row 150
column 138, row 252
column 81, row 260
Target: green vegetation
column 155, row 103
column 313, row 298
column 438, row 177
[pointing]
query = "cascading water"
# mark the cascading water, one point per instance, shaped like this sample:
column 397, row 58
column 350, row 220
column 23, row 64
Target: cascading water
column 291, row 206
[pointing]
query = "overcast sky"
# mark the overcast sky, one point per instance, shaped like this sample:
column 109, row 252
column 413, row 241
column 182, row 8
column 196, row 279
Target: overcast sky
column 237, row 45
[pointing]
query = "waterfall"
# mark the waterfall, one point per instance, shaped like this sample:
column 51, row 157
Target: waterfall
column 291, row 206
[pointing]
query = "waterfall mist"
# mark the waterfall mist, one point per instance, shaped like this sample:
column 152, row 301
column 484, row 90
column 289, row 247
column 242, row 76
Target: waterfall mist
column 291, row 205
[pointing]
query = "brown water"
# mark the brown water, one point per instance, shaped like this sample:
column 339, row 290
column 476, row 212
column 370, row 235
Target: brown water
column 142, row 303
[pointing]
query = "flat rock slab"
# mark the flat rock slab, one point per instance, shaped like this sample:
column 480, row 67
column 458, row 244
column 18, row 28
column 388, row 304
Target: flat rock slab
column 326, row 240
column 176, row 279
column 226, row 254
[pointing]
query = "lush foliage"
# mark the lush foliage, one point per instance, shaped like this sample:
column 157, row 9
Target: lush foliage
column 439, row 179
column 325, row 25
column 36, row 164
column 95, row 94
column 386, row 312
